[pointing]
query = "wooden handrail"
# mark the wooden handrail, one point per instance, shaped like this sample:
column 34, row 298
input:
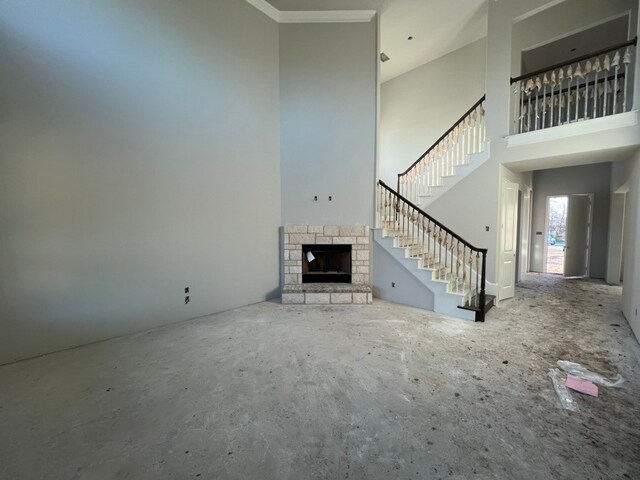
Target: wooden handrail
column 628, row 43
column 444, row 135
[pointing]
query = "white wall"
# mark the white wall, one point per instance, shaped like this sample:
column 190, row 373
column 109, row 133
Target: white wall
column 419, row 106
column 328, row 90
column 594, row 179
column 140, row 155
column 469, row 207
column 626, row 176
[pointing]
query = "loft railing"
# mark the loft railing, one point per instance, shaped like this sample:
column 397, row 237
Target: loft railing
column 590, row 86
column 451, row 256
column 465, row 137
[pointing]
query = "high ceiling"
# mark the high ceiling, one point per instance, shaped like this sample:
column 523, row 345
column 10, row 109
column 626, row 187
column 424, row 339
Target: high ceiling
column 437, row 27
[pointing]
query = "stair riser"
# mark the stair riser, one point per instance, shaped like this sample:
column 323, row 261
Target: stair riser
column 432, row 264
column 445, row 302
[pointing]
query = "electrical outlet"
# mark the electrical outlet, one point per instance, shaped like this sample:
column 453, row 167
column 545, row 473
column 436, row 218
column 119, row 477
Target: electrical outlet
column 186, row 299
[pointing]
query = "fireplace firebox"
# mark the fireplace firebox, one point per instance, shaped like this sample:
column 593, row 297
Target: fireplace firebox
column 326, row 263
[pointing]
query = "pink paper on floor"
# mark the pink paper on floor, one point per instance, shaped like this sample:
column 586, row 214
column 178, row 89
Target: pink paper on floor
column 582, row 386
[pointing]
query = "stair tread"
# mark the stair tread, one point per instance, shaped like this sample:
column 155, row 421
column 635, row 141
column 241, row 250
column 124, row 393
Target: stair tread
column 488, row 304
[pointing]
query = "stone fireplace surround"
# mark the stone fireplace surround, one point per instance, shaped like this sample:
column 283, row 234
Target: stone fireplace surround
column 296, row 292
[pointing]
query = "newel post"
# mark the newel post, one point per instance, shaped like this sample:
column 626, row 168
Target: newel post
column 483, row 282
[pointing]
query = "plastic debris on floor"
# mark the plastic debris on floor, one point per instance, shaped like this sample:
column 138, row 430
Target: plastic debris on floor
column 559, row 383
column 579, row 371
column 573, row 376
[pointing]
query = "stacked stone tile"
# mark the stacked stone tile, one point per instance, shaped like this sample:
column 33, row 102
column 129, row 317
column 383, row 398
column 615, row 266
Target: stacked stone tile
column 359, row 291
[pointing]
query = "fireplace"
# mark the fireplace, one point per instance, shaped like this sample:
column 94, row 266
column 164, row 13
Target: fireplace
column 326, row 263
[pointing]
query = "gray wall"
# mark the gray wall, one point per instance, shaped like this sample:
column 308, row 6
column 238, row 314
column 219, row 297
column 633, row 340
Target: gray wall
column 139, row 155
column 387, row 272
column 417, row 107
column 328, row 122
column 594, row 179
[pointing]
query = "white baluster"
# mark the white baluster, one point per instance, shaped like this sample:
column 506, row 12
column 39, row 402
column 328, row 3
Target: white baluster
column 578, row 75
column 521, row 90
column 545, row 82
column 432, row 167
column 626, row 60
column 570, row 77
column 483, row 128
column 447, row 155
column 596, row 68
column 553, row 86
column 479, row 131
column 458, row 145
column 616, row 64
column 535, row 113
column 605, row 96
column 452, row 152
column 587, row 70
column 472, row 133
column 516, row 104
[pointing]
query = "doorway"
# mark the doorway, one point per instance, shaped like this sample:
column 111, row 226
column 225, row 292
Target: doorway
column 556, row 233
column 568, row 235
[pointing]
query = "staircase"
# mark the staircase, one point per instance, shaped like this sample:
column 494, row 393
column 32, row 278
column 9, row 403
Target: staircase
column 459, row 151
column 449, row 267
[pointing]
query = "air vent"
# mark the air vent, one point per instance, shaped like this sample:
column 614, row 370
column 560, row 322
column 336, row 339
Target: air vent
column 384, row 57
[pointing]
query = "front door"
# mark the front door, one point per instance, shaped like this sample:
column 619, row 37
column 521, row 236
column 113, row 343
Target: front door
column 508, row 240
column 578, row 233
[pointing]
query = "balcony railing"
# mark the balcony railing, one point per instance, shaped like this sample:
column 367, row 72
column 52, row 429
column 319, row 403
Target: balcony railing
column 590, row 86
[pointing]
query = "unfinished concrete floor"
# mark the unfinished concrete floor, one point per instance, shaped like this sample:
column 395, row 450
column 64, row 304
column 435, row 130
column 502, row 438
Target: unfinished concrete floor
column 300, row 392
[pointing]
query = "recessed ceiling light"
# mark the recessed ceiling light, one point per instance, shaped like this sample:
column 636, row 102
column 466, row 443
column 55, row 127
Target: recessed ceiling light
column 384, row 57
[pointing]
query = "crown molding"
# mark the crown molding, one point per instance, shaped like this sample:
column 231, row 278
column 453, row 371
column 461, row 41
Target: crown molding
column 265, row 7
column 328, row 16
column 322, row 16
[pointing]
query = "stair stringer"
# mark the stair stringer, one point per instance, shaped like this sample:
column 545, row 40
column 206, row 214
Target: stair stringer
column 444, row 302
column 474, row 160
